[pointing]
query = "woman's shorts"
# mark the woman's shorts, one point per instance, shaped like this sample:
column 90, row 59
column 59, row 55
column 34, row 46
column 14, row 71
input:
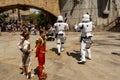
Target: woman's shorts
column 25, row 59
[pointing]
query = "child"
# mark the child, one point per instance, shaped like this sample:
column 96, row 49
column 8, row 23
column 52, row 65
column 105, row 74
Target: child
column 22, row 39
column 40, row 53
column 26, row 57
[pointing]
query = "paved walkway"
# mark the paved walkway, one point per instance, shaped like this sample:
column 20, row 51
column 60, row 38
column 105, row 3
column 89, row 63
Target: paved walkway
column 105, row 63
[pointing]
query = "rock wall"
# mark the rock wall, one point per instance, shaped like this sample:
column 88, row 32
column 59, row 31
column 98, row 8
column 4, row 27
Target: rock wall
column 102, row 12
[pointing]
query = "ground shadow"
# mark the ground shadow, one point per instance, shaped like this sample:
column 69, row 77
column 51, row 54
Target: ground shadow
column 115, row 53
column 111, row 36
column 54, row 50
column 117, row 39
column 36, row 71
column 104, row 43
column 75, row 54
column 114, row 37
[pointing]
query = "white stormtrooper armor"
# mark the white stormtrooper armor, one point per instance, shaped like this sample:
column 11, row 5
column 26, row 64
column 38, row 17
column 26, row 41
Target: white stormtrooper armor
column 86, row 27
column 86, row 17
column 60, row 28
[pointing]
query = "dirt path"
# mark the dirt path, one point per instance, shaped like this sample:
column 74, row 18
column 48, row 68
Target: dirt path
column 105, row 63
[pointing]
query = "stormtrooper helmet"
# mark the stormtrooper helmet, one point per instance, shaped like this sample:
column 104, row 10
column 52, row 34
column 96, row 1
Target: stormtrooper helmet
column 60, row 18
column 86, row 17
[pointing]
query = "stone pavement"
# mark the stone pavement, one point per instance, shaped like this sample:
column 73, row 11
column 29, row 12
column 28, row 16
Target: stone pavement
column 105, row 63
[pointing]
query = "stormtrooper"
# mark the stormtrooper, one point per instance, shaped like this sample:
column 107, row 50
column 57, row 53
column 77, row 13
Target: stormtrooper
column 86, row 27
column 61, row 29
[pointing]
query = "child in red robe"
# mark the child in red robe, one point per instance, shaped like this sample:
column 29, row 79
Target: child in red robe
column 40, row 53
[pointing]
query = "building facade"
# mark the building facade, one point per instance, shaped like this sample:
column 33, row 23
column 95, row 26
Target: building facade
column 103, row 12
column 16, row 14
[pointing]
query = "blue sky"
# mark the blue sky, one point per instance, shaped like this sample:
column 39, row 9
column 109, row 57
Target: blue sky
column 33, row 10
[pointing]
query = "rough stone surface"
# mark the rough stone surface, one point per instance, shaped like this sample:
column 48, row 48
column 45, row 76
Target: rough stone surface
column 100, row 14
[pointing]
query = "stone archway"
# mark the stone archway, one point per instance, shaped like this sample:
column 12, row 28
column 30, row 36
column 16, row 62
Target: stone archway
column 51, row 6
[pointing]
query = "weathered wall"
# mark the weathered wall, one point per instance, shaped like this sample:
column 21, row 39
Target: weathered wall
column 96, row 8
